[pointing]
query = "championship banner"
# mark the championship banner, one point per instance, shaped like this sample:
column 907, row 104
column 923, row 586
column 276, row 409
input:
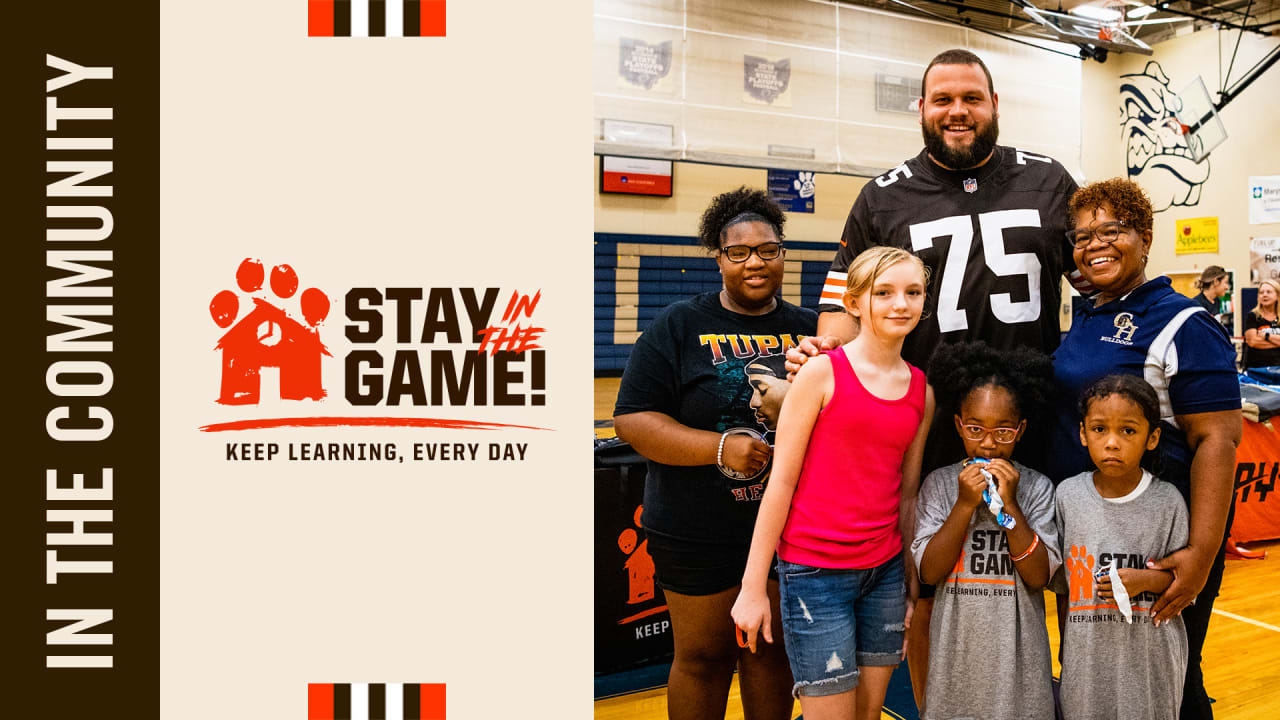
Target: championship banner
column 297, row 413
column 1257, row 466
column 766, row 81
column 646, row 66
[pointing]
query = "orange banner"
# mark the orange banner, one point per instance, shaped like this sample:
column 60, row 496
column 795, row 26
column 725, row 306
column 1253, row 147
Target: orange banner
column 1257, row 466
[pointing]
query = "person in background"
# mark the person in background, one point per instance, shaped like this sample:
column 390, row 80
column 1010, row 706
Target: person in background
column 1143, row 327
column 1213, row 284
column 685, row 405
column 1262, row 328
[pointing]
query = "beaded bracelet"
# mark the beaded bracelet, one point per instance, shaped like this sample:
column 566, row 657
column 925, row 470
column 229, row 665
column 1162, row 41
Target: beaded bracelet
column 720, row 450
column 1035, row 542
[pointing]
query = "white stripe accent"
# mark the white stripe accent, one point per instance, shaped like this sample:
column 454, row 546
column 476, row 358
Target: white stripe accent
column 1243, row 619
column 1162, row 362
column 836, row 281
column 360, row 28
column 395, row 28
column 359, row 694
column 395, row 691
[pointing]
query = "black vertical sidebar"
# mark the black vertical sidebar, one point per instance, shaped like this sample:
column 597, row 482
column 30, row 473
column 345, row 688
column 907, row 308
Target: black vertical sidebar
column 81, row 636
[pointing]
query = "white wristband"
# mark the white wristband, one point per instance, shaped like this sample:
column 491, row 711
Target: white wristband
column 720, row 450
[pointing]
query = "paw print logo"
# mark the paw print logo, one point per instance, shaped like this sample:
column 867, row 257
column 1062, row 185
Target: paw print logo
column 804, row 184
column 1080, row 573
column 267, row 336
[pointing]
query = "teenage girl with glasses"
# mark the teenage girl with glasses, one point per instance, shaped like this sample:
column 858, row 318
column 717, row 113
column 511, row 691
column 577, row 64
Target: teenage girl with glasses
column 985, row 535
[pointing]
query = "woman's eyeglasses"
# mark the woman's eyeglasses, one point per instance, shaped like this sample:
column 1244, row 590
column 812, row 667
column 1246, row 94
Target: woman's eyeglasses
column 740, row 253
column 1107, row 232
column 1002, row 435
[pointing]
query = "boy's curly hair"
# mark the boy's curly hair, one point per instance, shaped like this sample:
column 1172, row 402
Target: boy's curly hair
column 958, row 369
column 1128, row 202
column 725, row 209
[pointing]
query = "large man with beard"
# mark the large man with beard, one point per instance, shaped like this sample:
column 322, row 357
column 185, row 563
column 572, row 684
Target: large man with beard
column 989, row 222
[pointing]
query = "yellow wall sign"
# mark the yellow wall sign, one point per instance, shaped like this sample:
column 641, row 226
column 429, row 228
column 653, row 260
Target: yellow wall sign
column 1197, row 235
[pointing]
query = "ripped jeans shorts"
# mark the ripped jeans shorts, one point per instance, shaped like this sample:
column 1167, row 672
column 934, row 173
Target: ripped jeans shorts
column 835, row 620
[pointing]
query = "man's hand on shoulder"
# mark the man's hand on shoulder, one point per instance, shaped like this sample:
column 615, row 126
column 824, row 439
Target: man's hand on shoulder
column 811, row 346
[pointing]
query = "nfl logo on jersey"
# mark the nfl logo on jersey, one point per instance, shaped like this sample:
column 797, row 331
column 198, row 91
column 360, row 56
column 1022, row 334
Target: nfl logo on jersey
column 970, row 184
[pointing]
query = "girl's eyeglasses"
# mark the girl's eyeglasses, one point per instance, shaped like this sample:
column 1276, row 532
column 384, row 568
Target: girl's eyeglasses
column 740, row 253
column 1002, row 435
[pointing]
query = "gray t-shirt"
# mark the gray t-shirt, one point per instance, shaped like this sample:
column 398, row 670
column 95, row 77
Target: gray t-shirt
column 988, row 646
column 1111, row 668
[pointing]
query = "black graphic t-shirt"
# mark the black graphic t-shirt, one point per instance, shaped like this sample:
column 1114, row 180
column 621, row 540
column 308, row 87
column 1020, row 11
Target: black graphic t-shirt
column 1261, row 357
column 693, row 364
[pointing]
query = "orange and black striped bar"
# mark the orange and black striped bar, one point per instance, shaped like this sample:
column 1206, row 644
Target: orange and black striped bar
column 376, row 18
column 376, row 701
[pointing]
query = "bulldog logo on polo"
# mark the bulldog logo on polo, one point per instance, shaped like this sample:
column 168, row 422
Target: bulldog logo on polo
column 1124, row 329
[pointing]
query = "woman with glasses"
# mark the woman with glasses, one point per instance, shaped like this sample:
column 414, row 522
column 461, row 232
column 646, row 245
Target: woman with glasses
column 685, row 404
column 1141, row 326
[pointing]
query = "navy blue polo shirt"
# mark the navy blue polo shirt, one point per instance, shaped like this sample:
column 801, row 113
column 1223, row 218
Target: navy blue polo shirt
column 1160, row 335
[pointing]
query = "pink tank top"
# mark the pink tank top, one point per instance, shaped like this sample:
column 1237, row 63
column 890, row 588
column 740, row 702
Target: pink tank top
column 844, row 513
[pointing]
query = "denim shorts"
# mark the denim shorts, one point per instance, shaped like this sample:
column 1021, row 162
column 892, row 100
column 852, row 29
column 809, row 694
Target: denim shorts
column 835, row 620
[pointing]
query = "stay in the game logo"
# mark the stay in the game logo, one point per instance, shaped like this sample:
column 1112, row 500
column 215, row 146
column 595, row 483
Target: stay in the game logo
column 397, row 347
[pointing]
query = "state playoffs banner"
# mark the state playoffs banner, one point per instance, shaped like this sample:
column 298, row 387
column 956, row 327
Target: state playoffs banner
column 297, row 376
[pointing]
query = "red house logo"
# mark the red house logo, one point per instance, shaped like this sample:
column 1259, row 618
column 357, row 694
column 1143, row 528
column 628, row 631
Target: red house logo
column 268, row 337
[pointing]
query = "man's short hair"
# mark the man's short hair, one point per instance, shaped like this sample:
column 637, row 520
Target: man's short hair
column 957, row 56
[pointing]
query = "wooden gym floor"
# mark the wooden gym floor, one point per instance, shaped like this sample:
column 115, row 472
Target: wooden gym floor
column 1241, row 656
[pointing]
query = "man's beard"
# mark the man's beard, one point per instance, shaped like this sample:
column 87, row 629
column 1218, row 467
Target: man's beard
column 984, row 141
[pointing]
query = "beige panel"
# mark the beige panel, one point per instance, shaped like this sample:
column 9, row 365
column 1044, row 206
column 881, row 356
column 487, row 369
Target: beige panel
column 625, row 274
